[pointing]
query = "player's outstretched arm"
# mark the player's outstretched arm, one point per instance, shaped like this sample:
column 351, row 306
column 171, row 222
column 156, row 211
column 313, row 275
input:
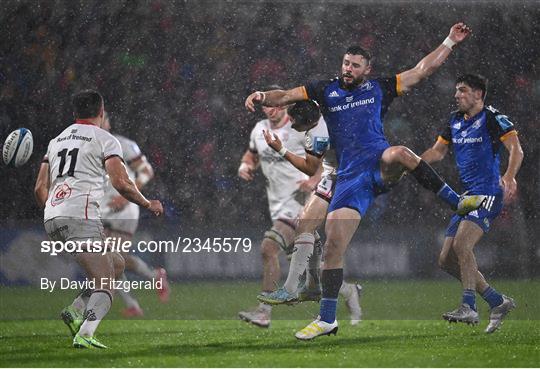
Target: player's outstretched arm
column 122, row 183
column 41, row 189
column 435, row 153
column 515, row 157
column 275, row 98
column 308, row 165
column 431, row 62
column 144, row 174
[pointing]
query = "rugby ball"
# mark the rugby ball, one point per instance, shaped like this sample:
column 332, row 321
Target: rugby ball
column 18, row 147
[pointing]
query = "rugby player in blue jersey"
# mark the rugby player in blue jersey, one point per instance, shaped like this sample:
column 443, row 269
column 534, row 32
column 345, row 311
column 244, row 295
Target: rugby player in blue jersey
column 476, row 133
column 353, row 107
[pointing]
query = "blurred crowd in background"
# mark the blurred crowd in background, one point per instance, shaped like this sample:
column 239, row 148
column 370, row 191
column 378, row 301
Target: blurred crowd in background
column 174, row 76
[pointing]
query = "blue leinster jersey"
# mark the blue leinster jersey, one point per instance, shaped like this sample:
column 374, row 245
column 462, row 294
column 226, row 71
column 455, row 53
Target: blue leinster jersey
column 477, row 142
column 354, row 119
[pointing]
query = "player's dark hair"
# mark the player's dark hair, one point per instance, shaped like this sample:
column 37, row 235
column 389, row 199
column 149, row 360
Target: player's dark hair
column 304, row 112
column 474, row 81
column 358, row 50
column 87, row 104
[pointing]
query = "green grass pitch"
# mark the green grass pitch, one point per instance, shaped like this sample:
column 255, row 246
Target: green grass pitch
column 198, row 328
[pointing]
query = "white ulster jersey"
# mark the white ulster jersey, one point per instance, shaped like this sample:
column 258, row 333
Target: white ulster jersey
column 131, row 152
column 77, row 171
column 317, row 143
column 281, row 176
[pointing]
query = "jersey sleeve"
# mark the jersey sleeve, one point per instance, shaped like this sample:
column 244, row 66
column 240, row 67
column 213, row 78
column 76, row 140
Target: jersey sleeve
column 314, row 90
column 315, row 143
column 252, row 141
column 500, row 127
column 110, row 147
column 445, row 135
column 391, row 88
column 131, row 151
column 47, row 154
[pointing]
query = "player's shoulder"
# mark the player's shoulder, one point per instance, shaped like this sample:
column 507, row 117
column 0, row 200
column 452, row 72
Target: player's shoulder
column 260, row 125
column 103, row 136
column 322, row 83
column 126, row 142
column 492, row 111
column 320, row 129
column 456, row 114
column 495, row 118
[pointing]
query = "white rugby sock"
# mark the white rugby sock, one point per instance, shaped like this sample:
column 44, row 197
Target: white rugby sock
column 128, row 299
column 303, row 249
column 313, row 279
column 141, row 268
column 98, row 306
column 80, row 302
column 346, row 290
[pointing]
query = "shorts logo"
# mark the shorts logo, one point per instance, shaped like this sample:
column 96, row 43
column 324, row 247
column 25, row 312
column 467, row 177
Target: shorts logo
column 486, row 222
column 474, row 213
column 61, row 193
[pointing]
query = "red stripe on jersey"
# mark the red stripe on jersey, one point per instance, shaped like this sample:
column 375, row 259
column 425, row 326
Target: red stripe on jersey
column 86, row 207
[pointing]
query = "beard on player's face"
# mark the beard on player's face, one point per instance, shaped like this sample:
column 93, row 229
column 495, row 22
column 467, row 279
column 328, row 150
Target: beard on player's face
column 350, row 81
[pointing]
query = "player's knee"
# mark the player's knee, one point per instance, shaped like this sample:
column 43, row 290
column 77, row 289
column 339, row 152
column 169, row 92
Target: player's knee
column 402, row 154
column 273, row 242
column 269, row 249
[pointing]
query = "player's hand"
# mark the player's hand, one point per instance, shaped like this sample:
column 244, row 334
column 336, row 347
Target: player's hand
column 245, row 171
column 459, row 32
column 155, row 207
column 254, row 98
column 117, row 203
column 509, row 186
column 272, row 140
column 307, row 186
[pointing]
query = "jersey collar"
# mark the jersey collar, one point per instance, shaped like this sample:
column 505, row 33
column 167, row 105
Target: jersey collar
column 84, row 121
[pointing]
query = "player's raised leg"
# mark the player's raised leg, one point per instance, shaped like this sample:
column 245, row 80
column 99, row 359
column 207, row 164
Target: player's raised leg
column 312, row 217
column 398, row 159
column 340, row 227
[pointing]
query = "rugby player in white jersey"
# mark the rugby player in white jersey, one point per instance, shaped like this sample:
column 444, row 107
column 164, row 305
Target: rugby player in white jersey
column 286, row 189
column 305, row 117
column 69, row 186
column 121, row 217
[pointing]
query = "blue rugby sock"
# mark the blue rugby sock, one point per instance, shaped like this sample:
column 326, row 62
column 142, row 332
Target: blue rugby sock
column 331, row 280
column 492, row 297
column 431, row 180
column 448, row 195
column 328, row 310
column 469, row 298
